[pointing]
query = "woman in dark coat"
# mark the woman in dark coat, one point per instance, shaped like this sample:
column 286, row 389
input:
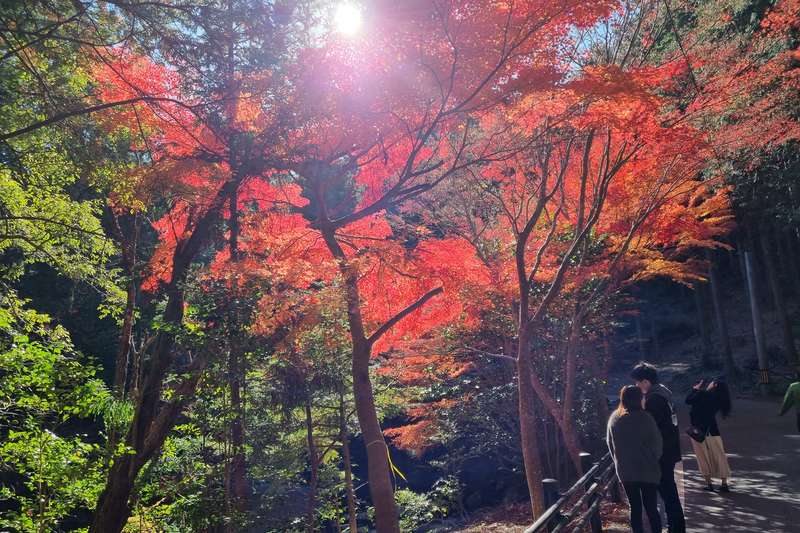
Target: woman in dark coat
column 706, row 400
column 636, row 445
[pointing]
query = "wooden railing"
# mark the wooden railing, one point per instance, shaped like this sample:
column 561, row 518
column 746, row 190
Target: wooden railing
column 579, row 507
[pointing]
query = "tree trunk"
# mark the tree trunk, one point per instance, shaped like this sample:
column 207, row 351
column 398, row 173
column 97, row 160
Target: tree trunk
column 528, row 421
column 123, row 363
column 380, row 481
column 564, row 423
column 740, row 248
column 602, row 381
column 706, row 349
column 113, row 510
column 150, row 424
column 379, row 473
column 570, row 432
column 348, row 477
column 314, row 462
column 722, row 323
column 129, row 246
column 124, row 345
column 113, row 507
column 236, row 487
column 758, row 327
column 778, row 299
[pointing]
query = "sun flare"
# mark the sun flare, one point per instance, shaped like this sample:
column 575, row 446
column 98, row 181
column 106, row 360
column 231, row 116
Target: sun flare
column 347, row 19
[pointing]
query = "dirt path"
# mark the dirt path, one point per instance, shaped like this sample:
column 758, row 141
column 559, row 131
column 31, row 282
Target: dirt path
column 764, row 454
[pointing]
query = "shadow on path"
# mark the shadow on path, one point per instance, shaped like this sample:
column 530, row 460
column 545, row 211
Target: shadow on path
column 764, row 454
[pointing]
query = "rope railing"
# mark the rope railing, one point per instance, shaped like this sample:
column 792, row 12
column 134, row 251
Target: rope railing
column 579, row 506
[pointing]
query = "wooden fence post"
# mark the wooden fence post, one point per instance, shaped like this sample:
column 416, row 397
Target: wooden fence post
column 595, row 523
column 551, row 495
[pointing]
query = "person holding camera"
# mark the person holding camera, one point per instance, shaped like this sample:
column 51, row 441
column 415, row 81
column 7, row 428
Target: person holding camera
column 706, row 399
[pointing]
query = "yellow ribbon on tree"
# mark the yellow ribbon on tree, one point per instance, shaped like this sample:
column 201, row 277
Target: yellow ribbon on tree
column 392, row 468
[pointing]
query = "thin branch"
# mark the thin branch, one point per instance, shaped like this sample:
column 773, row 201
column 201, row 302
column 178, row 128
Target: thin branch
column 402, row 314
column 86, row 111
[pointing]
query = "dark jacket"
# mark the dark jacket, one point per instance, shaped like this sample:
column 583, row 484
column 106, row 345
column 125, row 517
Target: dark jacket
column 658, row 402
column 703, row 412
column 635, row 443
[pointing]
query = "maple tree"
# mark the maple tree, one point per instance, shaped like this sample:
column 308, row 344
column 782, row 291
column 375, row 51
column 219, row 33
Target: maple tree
column 603, row 197
column 372, row 141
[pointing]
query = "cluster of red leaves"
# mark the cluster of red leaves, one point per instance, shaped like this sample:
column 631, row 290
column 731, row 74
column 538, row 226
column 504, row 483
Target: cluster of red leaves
column 417, row 435
column 747, row 88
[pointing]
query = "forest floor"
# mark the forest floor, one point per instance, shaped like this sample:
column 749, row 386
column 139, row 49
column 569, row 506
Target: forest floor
column 516, row 518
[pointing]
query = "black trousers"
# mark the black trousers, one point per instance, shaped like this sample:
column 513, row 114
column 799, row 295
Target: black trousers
column 672, row 502
column 643, row 495
column 798, row 420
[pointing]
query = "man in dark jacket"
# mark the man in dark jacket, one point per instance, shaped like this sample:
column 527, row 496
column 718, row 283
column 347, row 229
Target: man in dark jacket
column 658, row 402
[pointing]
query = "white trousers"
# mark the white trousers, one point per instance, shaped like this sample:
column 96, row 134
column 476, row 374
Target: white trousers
column 711, row 457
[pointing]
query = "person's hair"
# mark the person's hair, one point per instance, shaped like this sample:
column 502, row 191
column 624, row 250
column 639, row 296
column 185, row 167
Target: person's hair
column 644, row 371
column 723, row 394
column 630, row 399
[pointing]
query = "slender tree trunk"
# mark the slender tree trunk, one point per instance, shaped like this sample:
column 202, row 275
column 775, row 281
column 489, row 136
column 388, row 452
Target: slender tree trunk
column 740, row 248
column 348, row 470
column 125, row 337
column 602, row 382
column 548, row 440
column 780, row 303
column 570, row 431
column 236, row 487
column 722, row 323
column 758, row 326
column 379, row 474
column 564, row 423
column 572, row 442
column 129, row 247
column 123, row 363
column 706, row 349
column 531, row 455
column 314, row 462
column 380, row 481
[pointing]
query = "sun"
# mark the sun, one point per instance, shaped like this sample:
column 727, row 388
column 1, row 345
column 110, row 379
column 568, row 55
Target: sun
column 347, row 19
